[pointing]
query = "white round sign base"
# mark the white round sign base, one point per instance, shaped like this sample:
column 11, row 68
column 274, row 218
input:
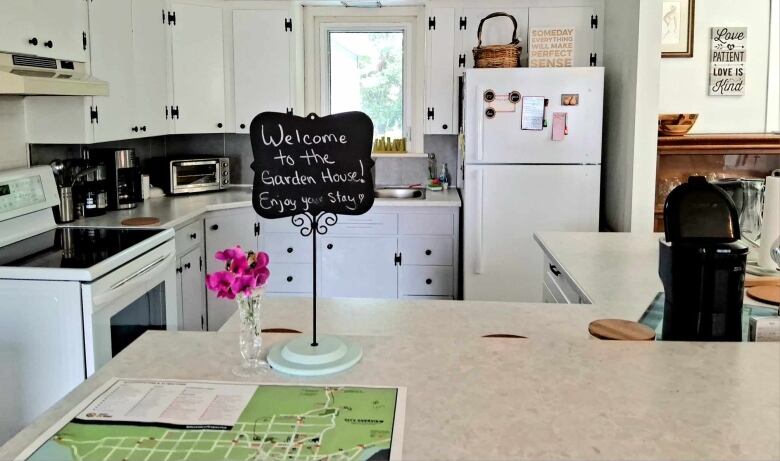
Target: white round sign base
column 298, row 357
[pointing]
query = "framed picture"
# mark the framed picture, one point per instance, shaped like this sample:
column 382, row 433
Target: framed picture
column 677, row 29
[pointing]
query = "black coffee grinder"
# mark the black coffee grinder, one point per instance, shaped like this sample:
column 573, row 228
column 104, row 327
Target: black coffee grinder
column 702, row 264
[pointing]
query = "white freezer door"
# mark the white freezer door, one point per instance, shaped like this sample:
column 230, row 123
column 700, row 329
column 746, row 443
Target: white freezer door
column 501, row 140
column 503, row 206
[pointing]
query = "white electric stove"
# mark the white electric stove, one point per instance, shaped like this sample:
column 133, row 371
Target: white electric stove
column 70, row 298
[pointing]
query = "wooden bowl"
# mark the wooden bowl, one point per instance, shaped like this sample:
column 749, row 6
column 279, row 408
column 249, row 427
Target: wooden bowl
column 676, row 124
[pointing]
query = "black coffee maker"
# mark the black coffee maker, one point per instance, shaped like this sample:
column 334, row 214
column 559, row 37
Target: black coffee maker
column 702, row 264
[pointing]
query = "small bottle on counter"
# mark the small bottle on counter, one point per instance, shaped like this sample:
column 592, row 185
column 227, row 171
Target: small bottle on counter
column 444, row 177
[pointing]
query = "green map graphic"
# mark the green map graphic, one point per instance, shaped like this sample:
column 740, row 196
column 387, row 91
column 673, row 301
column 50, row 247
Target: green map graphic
column 291, row 423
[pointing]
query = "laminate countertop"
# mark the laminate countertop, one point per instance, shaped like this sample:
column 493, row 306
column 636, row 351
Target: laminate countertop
column 176, row 211
column 556, row 394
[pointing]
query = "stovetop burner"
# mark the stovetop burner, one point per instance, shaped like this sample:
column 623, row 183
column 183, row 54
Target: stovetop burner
column 72, row 247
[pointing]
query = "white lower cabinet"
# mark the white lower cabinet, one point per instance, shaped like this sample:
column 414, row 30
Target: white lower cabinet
column 190, row 277
column 192, row 291
column 226, row 229
column 359, row 267
column 558, row 288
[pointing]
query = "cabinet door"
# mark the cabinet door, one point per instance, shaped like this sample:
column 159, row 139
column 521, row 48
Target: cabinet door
column 225, row 231
column 198, row 69
column 586, row 38
column 150, row 51
column 16, row 29
column 193, row 291
column 496, row 31
column 440, row 81
column 111, row 48
column 358, row 267
column 262, row 58
column 59, row 26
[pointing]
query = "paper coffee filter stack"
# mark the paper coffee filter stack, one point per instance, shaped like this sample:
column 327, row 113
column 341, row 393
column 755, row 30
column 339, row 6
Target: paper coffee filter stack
column 770, row 225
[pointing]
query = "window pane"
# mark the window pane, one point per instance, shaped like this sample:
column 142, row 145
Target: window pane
column 366, row 74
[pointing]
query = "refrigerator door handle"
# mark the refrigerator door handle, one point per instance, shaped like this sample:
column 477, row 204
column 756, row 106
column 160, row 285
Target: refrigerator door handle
column 480, row 124
column 478, row 260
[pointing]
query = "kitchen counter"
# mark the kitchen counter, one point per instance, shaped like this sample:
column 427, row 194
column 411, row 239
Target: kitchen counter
column 176, row 211
column 547, row 397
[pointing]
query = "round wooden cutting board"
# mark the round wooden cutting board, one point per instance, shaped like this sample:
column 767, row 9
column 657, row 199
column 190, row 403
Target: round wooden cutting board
column 141, row 221
column 765, row 294
column 618, row 329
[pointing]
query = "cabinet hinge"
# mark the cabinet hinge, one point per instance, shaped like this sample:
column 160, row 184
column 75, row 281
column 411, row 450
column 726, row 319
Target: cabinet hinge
column 201, row 263
column 431, row 22
column 398, row 258
column 593, row 57
column 431, row 113
column 175, row 112
column 84, row 40
column 462, row 23
column 594, row 21
column 93, row 114
column 288, row 24
column 166, row 112
column 289, row 111
column 461, row 60
column 172, row 18
column 202, row 323
column 179, row 270
column 257, row 229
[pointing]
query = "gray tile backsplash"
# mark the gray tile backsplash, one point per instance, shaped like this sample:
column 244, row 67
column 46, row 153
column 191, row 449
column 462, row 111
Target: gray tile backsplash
column 237, row 147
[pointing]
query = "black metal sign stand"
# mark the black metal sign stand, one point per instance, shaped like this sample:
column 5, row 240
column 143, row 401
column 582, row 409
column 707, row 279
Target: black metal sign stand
column 317, row 224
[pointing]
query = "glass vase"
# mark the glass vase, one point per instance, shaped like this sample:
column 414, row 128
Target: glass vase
column 250, row 339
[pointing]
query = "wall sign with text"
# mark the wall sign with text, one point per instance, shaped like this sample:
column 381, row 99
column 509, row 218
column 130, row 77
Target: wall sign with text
column 727, row 61
column 551, row 47
column 312, row 164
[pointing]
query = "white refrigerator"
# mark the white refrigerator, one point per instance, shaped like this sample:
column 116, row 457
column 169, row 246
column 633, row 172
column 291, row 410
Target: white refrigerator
column 531, row 163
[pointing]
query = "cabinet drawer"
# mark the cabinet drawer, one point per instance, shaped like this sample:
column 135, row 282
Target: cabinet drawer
column 560, row 286
column 425, row 251
column 426, row 224
column 290, row 278
column 367, row 224
column 425, row 280
column 287, row 248
column 188, row 236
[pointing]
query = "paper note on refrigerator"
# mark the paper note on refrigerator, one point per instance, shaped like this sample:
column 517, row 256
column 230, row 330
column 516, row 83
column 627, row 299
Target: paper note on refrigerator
column 533, row 113
column 558, row 126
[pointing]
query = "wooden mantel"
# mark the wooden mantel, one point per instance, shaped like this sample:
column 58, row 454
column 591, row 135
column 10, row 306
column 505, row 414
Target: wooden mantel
column 714, row 144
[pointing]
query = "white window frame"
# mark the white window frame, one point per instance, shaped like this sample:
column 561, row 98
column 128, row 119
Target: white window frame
column 319, row 21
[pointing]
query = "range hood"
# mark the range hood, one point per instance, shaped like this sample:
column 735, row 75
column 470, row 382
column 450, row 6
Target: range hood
column 33, row 75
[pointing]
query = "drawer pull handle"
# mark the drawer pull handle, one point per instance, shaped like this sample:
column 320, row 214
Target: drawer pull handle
column 554, row 270
column 428, row 252
column 290, row 250
column 428, row 281
column 188, row 265
column 193, row 236
column 330, row 246
column 289, row 278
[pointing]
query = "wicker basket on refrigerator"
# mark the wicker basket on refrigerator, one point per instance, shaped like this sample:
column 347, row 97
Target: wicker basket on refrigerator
column 493, row 56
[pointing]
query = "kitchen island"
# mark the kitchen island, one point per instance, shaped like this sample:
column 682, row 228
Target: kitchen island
column 556, row 394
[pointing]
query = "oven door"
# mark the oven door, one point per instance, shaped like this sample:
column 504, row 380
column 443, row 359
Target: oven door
column 121, row 306
column 194, row 176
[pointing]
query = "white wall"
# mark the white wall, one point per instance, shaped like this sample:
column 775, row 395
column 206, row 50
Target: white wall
column 632, row 48
column 13, row 147
column 684, row 81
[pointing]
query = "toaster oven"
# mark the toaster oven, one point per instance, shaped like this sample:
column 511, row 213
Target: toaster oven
column 190, row 175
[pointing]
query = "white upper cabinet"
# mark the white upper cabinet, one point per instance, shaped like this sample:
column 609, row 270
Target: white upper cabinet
column 111, row 49
column 151, row 61
column 262, row 63
column 586, row 33
column 49, row 28
column 198, row 69
column 441, row 61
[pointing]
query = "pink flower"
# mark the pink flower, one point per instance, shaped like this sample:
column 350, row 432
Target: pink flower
column 230, row 253
column 262, row 275
column 244, row 284
column 219, row 281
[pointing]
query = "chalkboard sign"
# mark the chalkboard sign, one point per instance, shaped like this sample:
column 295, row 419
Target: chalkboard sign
column 312, row 164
